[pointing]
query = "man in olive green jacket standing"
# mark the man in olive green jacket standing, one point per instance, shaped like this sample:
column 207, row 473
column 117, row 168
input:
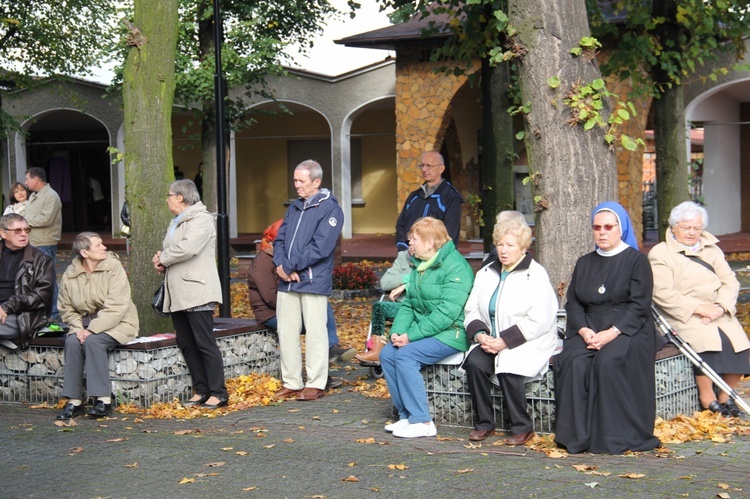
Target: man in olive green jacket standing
column 44, row 214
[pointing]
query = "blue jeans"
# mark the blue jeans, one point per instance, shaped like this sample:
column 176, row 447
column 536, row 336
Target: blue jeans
column 401, row 366
column 333, row 338
column 51, row 251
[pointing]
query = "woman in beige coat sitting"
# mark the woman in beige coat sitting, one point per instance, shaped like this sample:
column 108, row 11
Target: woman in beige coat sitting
column 192, row 291
column 697, row 290
column 95, row 302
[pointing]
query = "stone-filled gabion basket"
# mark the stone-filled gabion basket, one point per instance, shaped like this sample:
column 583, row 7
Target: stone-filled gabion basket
column 450, row 403
column 139, row 374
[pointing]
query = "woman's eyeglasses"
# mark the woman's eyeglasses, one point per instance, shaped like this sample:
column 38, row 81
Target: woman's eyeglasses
column 690, row 229
column 607, row 227
column 19, row 230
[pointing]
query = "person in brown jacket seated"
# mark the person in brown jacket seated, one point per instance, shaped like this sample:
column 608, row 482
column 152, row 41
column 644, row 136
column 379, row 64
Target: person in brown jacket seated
column 26, row 283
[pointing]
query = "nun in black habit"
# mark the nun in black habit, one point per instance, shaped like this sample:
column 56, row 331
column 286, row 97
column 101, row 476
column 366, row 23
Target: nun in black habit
column 604, row 377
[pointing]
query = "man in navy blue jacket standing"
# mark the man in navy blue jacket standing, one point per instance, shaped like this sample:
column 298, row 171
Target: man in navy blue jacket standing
column 436, row 198
column 303, row 255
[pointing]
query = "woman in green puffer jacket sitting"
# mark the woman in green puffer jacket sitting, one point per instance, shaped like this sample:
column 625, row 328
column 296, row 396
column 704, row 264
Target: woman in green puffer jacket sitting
column 429, row 325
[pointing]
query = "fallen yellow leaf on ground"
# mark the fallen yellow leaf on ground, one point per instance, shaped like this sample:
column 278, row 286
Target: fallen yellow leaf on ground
column 398, row 467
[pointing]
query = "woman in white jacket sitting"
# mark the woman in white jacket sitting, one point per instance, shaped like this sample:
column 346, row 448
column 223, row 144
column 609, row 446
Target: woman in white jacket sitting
column 511, row 318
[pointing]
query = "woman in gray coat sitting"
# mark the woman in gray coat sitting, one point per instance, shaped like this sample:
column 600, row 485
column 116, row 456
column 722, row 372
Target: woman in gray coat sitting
column 192, row 291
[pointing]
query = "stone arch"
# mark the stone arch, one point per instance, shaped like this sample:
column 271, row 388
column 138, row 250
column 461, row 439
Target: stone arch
column 423, row 104
column 724, row 114
column 71, row 145
column 368, row 179
column 264, row 153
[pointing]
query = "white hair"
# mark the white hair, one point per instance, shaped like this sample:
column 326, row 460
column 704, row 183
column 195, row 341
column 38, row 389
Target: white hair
column 688, row 210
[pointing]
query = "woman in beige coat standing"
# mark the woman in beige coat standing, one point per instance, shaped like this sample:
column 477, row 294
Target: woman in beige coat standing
column 95, row 302
column 697, row 290
column 192, row 291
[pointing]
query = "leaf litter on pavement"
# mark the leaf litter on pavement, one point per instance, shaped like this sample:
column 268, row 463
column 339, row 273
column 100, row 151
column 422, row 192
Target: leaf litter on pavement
column 352, row 321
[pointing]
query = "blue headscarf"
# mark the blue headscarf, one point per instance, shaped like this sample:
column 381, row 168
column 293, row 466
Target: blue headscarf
column 626, row 227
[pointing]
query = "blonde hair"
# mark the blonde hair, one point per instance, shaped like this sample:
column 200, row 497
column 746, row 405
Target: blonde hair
column 515, row 226
column 431, row 228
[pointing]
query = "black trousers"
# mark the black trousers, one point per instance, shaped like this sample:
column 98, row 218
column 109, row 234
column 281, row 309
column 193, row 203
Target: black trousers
column 480, row 366
column 196, row 340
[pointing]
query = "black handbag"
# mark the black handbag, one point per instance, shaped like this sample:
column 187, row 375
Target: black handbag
column 158, row 302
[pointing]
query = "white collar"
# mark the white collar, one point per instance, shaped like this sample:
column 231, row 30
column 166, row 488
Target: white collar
column 619, row 249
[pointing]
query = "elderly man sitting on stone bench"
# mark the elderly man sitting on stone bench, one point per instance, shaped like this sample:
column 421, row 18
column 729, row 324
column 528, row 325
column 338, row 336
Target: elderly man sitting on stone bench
column 27, row 277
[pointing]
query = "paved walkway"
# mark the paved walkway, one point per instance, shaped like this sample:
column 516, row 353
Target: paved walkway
column 309, row 449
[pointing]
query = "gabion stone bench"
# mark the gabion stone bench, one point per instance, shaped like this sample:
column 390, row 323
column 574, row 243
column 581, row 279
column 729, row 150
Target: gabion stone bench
column 143, row 372
column 450, row 403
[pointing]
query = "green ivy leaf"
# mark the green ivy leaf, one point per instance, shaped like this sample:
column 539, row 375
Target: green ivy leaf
column 520, row 135
column 553, row 82
column 597, row 84
column 628, row 143
column 576, row 51
column 590, row 124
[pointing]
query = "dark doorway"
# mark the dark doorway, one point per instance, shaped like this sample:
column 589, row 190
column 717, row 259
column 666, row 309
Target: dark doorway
column 72, row 148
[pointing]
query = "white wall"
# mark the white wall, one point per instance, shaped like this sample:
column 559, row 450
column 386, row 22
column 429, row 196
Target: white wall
column 721, row 167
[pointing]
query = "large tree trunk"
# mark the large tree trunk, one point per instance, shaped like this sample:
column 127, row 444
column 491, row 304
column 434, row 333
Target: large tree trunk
column 671, row 154
column 148, row 93
column 572, row 169
column 497, row 146
column 669, row 128
column 207, row 48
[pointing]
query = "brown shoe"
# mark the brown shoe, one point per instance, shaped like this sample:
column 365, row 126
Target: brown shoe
column 372, row 355
column 479, row 435
column 287, row 393
column 310, row 393
column 519, row 439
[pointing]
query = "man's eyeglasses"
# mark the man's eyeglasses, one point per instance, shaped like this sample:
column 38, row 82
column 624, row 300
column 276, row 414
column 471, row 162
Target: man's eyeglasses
column 425, row 165
column 690, row 229
column 607, row 227
column 19, row 230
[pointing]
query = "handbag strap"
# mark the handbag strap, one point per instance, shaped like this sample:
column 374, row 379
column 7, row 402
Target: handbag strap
column 700, row 262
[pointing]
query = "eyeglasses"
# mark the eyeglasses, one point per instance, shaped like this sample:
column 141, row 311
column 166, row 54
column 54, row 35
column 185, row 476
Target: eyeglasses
column 19, row 230
column 607, row 227
column 170, row 195
column 690, row 229
column 425, row 165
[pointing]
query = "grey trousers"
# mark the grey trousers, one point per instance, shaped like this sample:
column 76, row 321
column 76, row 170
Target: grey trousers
column 9, row 330
column 91, row 356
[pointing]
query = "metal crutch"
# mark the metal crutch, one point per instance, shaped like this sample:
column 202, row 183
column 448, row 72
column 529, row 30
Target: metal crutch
column 671, row 335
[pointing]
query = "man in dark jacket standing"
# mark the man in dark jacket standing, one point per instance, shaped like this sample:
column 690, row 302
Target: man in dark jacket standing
column 435, row 198
column 303, row 255
column 26, row 282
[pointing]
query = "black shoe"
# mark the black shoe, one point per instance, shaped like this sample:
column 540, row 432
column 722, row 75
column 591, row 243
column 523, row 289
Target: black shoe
column 222, row 403
column 732, row 408
column 716, row 407
column 99, row 410
column 332, row 383
column 336, row 353
column 70, row 412
column 193, row 403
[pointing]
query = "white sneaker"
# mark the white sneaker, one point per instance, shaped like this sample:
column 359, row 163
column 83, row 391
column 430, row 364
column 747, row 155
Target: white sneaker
column 401, row 423
column 416, row 430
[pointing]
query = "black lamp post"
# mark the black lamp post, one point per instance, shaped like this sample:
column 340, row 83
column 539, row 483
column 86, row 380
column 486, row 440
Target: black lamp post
column 222, row 220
